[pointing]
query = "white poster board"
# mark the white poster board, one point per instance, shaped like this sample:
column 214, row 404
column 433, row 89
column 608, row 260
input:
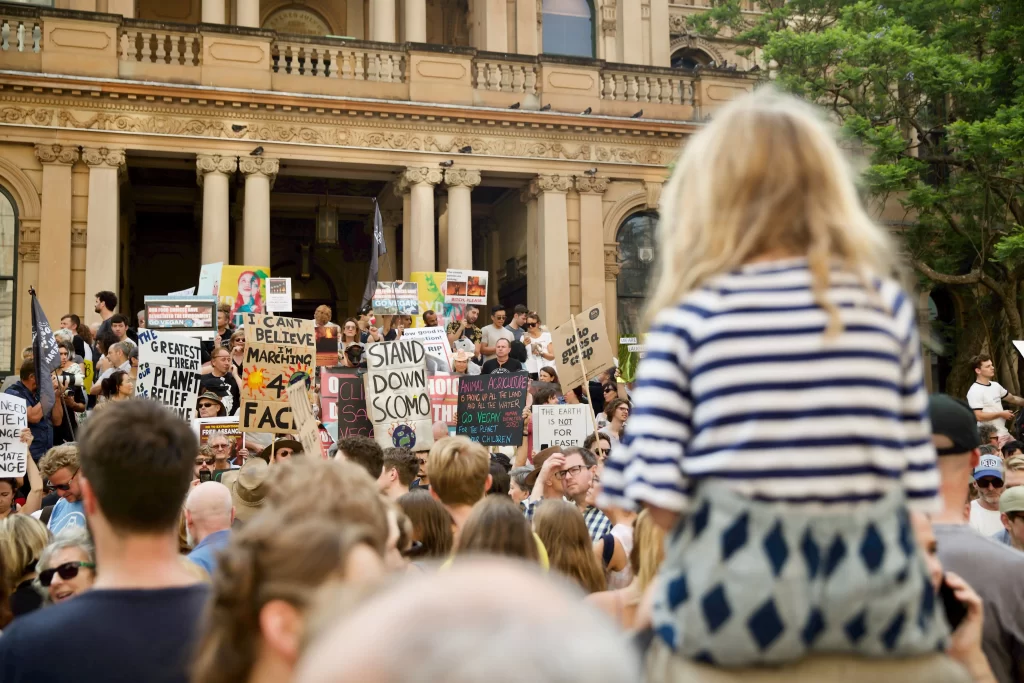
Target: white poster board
column 184, row 292
column 435, row 341
column 397, row 395
column 279, row 294
column 169, row 367
column 302, row 413
column 209, row 279
column 561, row 425
column 465, row 287
column 13, row 453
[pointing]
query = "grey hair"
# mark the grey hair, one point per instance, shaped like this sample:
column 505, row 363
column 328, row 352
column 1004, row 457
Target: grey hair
column 76, row 537
column 124, row 347
column 64, row 335
column 519, row 474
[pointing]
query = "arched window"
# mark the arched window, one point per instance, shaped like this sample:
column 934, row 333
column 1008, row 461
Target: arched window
column 690, row 58
column 568, row 28
column 8, row 266
column 636, row 256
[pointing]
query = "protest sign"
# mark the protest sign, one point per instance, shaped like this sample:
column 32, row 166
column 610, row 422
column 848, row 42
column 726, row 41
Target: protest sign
column 397, row 394
column 278, row 352
column 244, row 289
column 491, row 408
column 561, row 425
column 325, row 442
column 195, row 316
column 465, row 287
column 327, row 338
column 13, row 453
column 631, row 351
column 431, row 289
column 183, row 292
column 302, row 414
column 343, row 403
column 396, row 298
column 169, row 367
column 583, row 345
column 435, row 341
column 444, row 398
column 209, row 279
column 206, row 428
column 279, row 295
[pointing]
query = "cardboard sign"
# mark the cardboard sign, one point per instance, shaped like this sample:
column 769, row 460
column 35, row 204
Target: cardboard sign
column 302, row 413
column 13, row 453
column 279, row 295
column 491, row 408
column 396, row 298
column 432, row 292
column 209, row 279
column 397, row 394
column 592, row 350
column 465, row 287
column 343, row 403
column 435, row 341
column 207, row 428
column 444, row 398
column 561, row 425
column 278, row 352
column 195, row 316
column 169, row 370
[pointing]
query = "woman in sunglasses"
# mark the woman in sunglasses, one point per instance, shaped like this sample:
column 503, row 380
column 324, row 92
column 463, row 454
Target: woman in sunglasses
column 67, row 565
column 538, row 346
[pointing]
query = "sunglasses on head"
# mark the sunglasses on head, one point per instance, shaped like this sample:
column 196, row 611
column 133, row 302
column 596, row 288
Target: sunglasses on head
column 67, row 571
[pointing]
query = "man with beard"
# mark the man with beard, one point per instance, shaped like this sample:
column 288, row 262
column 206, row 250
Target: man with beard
column 466, row 329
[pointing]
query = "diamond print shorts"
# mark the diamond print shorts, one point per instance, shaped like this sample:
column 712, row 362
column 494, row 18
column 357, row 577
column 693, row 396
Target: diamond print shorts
column 747, row 582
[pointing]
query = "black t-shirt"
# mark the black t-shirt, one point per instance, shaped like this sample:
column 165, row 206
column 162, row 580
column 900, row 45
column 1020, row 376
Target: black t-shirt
column 222, row 386
column 106, row 636
column 492, row 367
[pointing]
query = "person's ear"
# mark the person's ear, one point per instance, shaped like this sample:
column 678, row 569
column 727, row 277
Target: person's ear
column 281, row 627
column 88, row 496
column 232, row 514
column 487, row 484
column 433, row 494
column 188, row 517
column 1005, row 520
column 975, row 458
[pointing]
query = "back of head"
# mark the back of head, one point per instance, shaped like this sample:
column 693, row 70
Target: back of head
column 137, row 457
column 648, row 549
column 497, row 527
column 499, row 480
column 364, row 451
column 458, row 470
column 431, row 522
column 561, row 528
column 404, row 462
column 27, row 369
column 765, row 175
column 22, row 539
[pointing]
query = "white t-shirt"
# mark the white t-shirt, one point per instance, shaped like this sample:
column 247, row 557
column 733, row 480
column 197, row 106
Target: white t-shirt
column 534, row 362
column 988, row 397
column 985, row 522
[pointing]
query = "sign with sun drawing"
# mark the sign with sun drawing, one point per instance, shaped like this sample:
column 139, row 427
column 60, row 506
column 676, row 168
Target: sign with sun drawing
column 278, row 351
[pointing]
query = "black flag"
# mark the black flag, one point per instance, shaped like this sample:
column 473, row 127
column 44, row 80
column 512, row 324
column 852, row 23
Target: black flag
column 378, row 250
column 44, row 353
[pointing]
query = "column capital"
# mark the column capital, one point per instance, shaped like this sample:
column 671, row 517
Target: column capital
column 551, row 183
column 103, row 156
column 612, row 267
column 591, row 184
column 214, row 163
column 56, row 154
column 464, row 177
column 263, row 165
column 421, row 174
column 391, row 217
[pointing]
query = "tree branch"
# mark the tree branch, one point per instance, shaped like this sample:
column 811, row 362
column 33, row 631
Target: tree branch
column 971, row 278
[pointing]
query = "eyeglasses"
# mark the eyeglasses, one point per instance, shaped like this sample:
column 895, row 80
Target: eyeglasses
column 67, row 571
column 205, row 461
column 530, row 325
column 989, row 482
column 64, row 487
column 571, row 472
column 220, row 446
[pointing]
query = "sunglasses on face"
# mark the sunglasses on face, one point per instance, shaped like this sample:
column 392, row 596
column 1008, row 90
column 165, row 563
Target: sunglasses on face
column 204, row 461
column 989, row 482
column 67, row 571
column 207, row 405
column 531, row 325
column 67, row 486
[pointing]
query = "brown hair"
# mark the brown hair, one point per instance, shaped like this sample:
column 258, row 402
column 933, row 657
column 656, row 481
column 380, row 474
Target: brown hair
column 342, row 339
column 977, row 361
column 59, row 457
column 431, row 523
column 363, row 451
column 498, row 527
column 613, row 405
column 457, row 469
column 224, row 308
column 561, row 528
column 648, row 549
column 403, row 461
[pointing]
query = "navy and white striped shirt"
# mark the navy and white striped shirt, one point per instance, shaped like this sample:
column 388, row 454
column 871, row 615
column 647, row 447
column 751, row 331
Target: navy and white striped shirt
column 740, row 385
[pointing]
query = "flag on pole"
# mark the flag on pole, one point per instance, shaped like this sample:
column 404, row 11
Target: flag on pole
column 44, row 354
column 379, row 249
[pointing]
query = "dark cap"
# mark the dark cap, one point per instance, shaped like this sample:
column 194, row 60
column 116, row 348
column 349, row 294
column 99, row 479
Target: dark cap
column 538, row 463
column 953, row 419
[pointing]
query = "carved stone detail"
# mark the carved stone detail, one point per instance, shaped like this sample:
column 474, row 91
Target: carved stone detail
column 29, row 251
column 422, row 174
column 612, row 267
column 211, row 163
column 103, row 156
column 454, row 177
column 78, row 236
column 263, row 165
column 552, row 183
column 591, row 184
column 574, row 254
column 56, row 154
column 653, row 194
column 391, row 217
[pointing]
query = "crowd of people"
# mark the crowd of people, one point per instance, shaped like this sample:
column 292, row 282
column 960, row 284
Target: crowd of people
column 775, row 497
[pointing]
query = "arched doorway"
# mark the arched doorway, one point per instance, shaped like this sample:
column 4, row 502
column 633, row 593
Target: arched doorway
column 8, row 271
column 690, row 58
column 568, row 27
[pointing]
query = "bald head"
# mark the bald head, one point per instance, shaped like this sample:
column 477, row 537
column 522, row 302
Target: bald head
column 507, row 633
column 209, row 509
column 440, row 429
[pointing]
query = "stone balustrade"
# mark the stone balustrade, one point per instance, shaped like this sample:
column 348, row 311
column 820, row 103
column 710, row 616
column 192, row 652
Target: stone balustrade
column 146, row 42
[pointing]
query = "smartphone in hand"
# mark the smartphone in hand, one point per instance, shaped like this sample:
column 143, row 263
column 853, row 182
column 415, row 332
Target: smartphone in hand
column 955, row 610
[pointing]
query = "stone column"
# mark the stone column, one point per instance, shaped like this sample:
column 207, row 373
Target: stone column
column 534, row 283
column 661, row 51
column 391, row 220
column 611, row 280
column 382, row 20
column 103, row 227
column 421, row 182
column 629, row 44
column 401, row 189
column 247, row 13
column 591, row 240
column 416, row 21
column 553, row 246
column 489, row 29
column 460, row 182
column 527, row 25
column 213, row 12
column 126, row 8
column 442, row 233
column 260, row 173
column 213, row 172
column 54, row 288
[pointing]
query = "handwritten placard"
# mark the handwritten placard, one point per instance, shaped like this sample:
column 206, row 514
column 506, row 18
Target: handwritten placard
column 13, row 453
column 343, row 403
column 279, row 352
column 561, row 425
column 435, row 341
column 444, row 398
column 397, row 394
column 583, row 345
column 491, row 408
column 302, row 413
column 169, row 367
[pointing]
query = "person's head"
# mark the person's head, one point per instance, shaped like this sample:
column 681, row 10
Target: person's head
column 459, row 471
column 67, row 566
column 577, row 474
column 27, row 374
column 237, row 342
column 502, row 348
column 472, row 313
column 429, row 318
column 220, row 445
column 561, row 528
column 519, row 489
column 925, row 536
column 118, row 352
column 988, row 477
column 400, row 469
column 119, row 325
column 548, row 374
column 220, row 361
column 350, row 331
column 1013, row 472
column 648, row 550
column 617, row 410
column 266, row 579
column 204, row 461
column 65, row 354
column 460, row 362
column 322, row 314
column 519, row 315
column 210, row 404
column 599, row 444
column 532, row 323
column 63, row 336
column 7, row 488
column 140, row 318
column 765, row 176
column 1011, row 513
column 137, row 460
column 208, row 509
column 1012, row 448
column 364, row 314
column 70, row 321
column 984, row 369
column 610, row 392
column 22, row 539
column 431, row 523
column 118, row 385
column 60, row 466
column 989, row 435
column 363, row 451
column 498, row 316
column 105, row 302
column 497, row 526
column 956, row 440
column 223, row 315
column 499, row 479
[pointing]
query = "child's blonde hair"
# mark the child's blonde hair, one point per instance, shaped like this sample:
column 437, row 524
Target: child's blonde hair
column 766, row 175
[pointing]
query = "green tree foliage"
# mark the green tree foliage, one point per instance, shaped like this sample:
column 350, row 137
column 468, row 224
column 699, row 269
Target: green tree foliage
column 932, row 92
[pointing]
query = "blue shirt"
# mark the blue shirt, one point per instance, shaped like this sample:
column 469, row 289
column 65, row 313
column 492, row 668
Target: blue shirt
column 42, row 431
column 205, row 554
column 66, row 515
column 1002, row 537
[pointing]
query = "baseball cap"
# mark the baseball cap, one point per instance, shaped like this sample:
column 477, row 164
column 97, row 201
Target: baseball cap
column 954, row 419
column 1012, row 500
column 989, row 466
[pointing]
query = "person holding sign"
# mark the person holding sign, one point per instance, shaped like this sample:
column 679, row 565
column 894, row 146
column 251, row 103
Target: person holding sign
column 538, row 346
column 9, row 485
column 40, row 424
